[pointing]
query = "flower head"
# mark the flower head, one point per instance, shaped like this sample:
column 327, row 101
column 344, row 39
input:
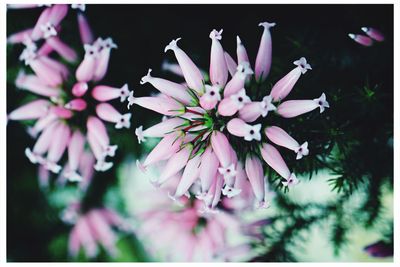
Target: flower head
column 220, row 141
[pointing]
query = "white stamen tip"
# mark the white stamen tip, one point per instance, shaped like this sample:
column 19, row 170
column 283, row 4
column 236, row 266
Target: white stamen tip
column 267, row 25
column 146, row 78
column 238, row 41
column 131, row 99
column 351, row 35
column 172, row 45
column 139, row 134
column 217, row 35
column 364, row 29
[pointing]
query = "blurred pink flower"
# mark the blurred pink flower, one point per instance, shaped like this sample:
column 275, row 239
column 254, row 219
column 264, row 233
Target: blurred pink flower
column 93, row 228
column 218, row 135
column 65, row 118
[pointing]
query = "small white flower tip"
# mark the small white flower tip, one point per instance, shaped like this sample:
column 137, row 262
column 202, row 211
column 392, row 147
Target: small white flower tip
column 351, row 35
column 31, row 156
column 302, row 63
column 364, row 29
column 109, row 43
column 52, row 166
column 262, row 205
column 238, row 41
column 140, row 166
column 267, row 25
column 73, row 176
column 124, row 121
column 322, row 103
column 172, row 45
column 146, row 78
column 131, row 99
column 124, row 92
column 103, row 166
column 139, row 134
column 230, row 191
column 291, row 181
column 302, row 151
column 216, row 35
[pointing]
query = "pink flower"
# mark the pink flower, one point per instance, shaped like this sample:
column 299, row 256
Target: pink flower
column 293, row 108
column 361, row 39
column 206, row 150
column 58, row 116
column 93, row 228
column 374, row 34
column 281, row 138
column 283, row 87
column 191, row 73
column 264, row 55
column 218, row 67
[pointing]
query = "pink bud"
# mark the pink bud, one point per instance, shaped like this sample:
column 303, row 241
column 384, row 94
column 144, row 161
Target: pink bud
column 163, row 105
column 158, row 130
column 42, row 144
column 175, row 164
column 19, row 37
column 374, row 34
column 164, row 149
column 85, row 30
column 59, row 143
column 230, row 63
column 56, row 65
column 85, row 71
column 190, row 174
column 99, row 131
column 192, row 74
column 238, row 80
column 79, row 89
column 211, row 97
column 86, row 238
column 293, row 108
column 274, row 159
column 174, row 90
column 239, row 128
column 45, row 49
column 102, row 232
column 58, row 13
column 35, row 85
column 208, row 169
column 106, row 93
column 61, row 112
column 361, row 39
column 105, row 47
column 218, row 67
column 255, row 172
column 75, row 150
column 222, row 148
column 282, row 138
column 285, row 85
column 77, row 104
column 229, row 106
column 43, row 19
column 264, row 54
column 108, row 113
column 46, row 73
column 64, row 50
column 241, row 51
column 32, row 110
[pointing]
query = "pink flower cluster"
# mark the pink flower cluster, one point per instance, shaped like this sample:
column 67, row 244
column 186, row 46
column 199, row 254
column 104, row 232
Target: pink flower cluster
column 216, row 131
column 91, row 228
column 65, row 118
column 186, row 232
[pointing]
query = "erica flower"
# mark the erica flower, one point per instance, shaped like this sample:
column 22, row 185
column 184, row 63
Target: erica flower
column 184, row 232
column 68, row 114
column 216, row 131
column 93, row 228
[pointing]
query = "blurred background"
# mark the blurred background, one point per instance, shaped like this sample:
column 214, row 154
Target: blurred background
column 350, row 178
